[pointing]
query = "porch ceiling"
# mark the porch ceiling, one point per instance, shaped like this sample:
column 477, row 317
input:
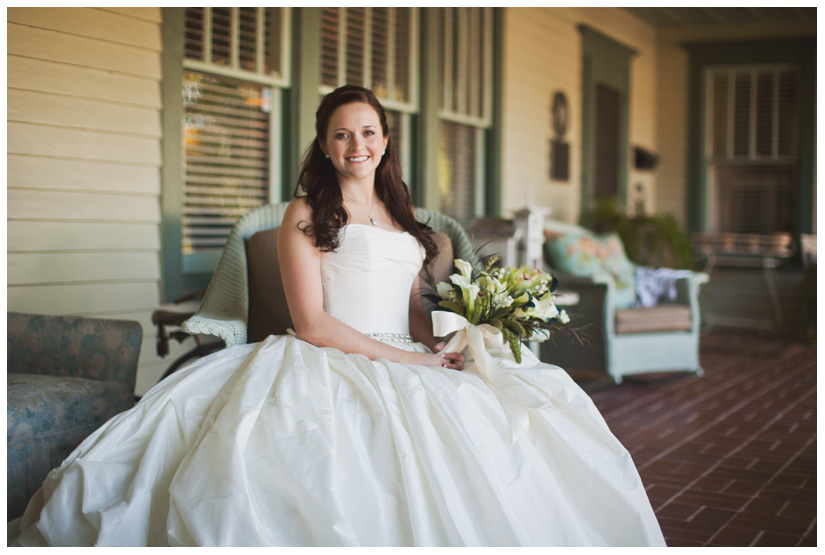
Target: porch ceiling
column 702, row 16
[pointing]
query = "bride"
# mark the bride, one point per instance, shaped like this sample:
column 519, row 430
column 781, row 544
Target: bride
column 358, row 429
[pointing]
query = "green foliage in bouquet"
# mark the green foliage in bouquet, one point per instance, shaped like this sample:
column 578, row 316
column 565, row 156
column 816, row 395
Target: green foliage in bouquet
column 517, row 301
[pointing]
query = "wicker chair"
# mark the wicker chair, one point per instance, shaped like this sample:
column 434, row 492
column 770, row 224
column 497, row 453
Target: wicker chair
column 245, row 301
column 629, row 339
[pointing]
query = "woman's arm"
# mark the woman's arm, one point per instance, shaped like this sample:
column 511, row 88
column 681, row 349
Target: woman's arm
column 421, row 327
column 300, row 262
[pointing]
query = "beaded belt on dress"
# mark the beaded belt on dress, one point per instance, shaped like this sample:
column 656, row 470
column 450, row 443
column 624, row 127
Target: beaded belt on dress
column 391, row 337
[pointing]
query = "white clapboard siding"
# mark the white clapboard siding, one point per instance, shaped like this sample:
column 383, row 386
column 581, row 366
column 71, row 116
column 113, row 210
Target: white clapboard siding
column 57, row 205
column 81, row 113
column 672, row 131
column 87, row 298
column 57, row 46
column 94, row 23
column 46, row 236
column 35, row 172
column 148, row 14
column 41, row 140
column 542, row 55
column 42, row 268
column 98, row 84
column 83, row 165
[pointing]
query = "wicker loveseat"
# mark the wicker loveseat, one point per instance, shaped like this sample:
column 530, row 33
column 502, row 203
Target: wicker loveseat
column 66, row 377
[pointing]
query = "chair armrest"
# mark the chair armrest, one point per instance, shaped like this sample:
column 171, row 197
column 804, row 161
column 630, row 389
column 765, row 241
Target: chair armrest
column 233, row 331
column 687, row 288
column 92, row 348
column 700, row 278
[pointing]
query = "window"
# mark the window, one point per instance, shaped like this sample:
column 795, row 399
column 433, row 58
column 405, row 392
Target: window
column 375, row 48
column 465, row 39
column 752, row 122
column 226, row 130
column 234, row 66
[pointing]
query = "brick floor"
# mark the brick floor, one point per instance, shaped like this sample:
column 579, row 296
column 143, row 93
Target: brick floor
column 729, row 458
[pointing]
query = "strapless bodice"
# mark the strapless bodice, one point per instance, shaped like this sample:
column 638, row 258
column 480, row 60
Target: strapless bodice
column 367, row 280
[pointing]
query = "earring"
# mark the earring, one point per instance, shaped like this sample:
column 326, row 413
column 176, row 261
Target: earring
column 383, row 153
column 326, row 155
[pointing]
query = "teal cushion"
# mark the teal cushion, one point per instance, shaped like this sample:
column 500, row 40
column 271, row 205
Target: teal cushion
column 589, row 255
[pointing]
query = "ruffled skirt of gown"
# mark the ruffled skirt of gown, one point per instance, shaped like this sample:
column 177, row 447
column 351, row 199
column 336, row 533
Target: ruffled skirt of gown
column 284, row 443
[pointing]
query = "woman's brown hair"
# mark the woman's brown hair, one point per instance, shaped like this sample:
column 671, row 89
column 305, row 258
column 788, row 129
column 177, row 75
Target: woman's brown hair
column 318, row 179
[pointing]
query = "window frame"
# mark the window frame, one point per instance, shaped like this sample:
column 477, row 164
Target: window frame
column 716, row 162
column 800, row 52
column 186, row 273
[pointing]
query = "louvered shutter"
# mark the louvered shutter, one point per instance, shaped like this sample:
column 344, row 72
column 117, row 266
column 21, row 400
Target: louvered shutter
column 466, row 95
column 249, row 41
column 370, row 47
column 226, row 149
column 457, row 166
column 374, row 48
column 752, row 147
column 466, row 62
column 233, row 57
column 330, row 23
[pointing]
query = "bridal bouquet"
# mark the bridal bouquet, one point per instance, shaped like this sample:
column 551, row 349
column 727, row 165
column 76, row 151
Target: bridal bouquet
column 517, row 301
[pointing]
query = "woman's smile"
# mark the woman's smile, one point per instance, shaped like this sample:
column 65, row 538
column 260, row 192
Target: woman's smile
column 355, row 142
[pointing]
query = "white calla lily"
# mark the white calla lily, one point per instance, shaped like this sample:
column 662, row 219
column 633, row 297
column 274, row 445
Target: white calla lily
column 464, row 267
column 445, row 291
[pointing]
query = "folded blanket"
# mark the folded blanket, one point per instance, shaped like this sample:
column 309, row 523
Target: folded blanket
column 654, row 285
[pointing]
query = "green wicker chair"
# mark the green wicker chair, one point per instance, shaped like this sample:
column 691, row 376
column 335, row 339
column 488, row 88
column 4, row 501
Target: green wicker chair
column 225, row 309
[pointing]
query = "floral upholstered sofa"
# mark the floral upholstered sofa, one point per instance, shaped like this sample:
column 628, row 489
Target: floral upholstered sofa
column 66, row 377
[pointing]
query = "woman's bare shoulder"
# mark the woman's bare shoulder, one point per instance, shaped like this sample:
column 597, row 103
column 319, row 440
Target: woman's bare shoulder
column 297, row 214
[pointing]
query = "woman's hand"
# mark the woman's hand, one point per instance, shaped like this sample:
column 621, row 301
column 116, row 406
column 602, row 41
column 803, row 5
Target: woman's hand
column 454, row 361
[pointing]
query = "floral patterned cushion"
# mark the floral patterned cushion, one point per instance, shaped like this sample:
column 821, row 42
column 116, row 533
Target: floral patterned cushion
column 589, row 255
column 95, row 348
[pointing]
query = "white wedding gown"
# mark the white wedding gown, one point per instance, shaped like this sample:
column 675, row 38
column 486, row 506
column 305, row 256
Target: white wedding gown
column 284, row 443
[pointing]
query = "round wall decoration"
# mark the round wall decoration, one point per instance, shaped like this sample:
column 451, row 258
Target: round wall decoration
column 560, row 113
